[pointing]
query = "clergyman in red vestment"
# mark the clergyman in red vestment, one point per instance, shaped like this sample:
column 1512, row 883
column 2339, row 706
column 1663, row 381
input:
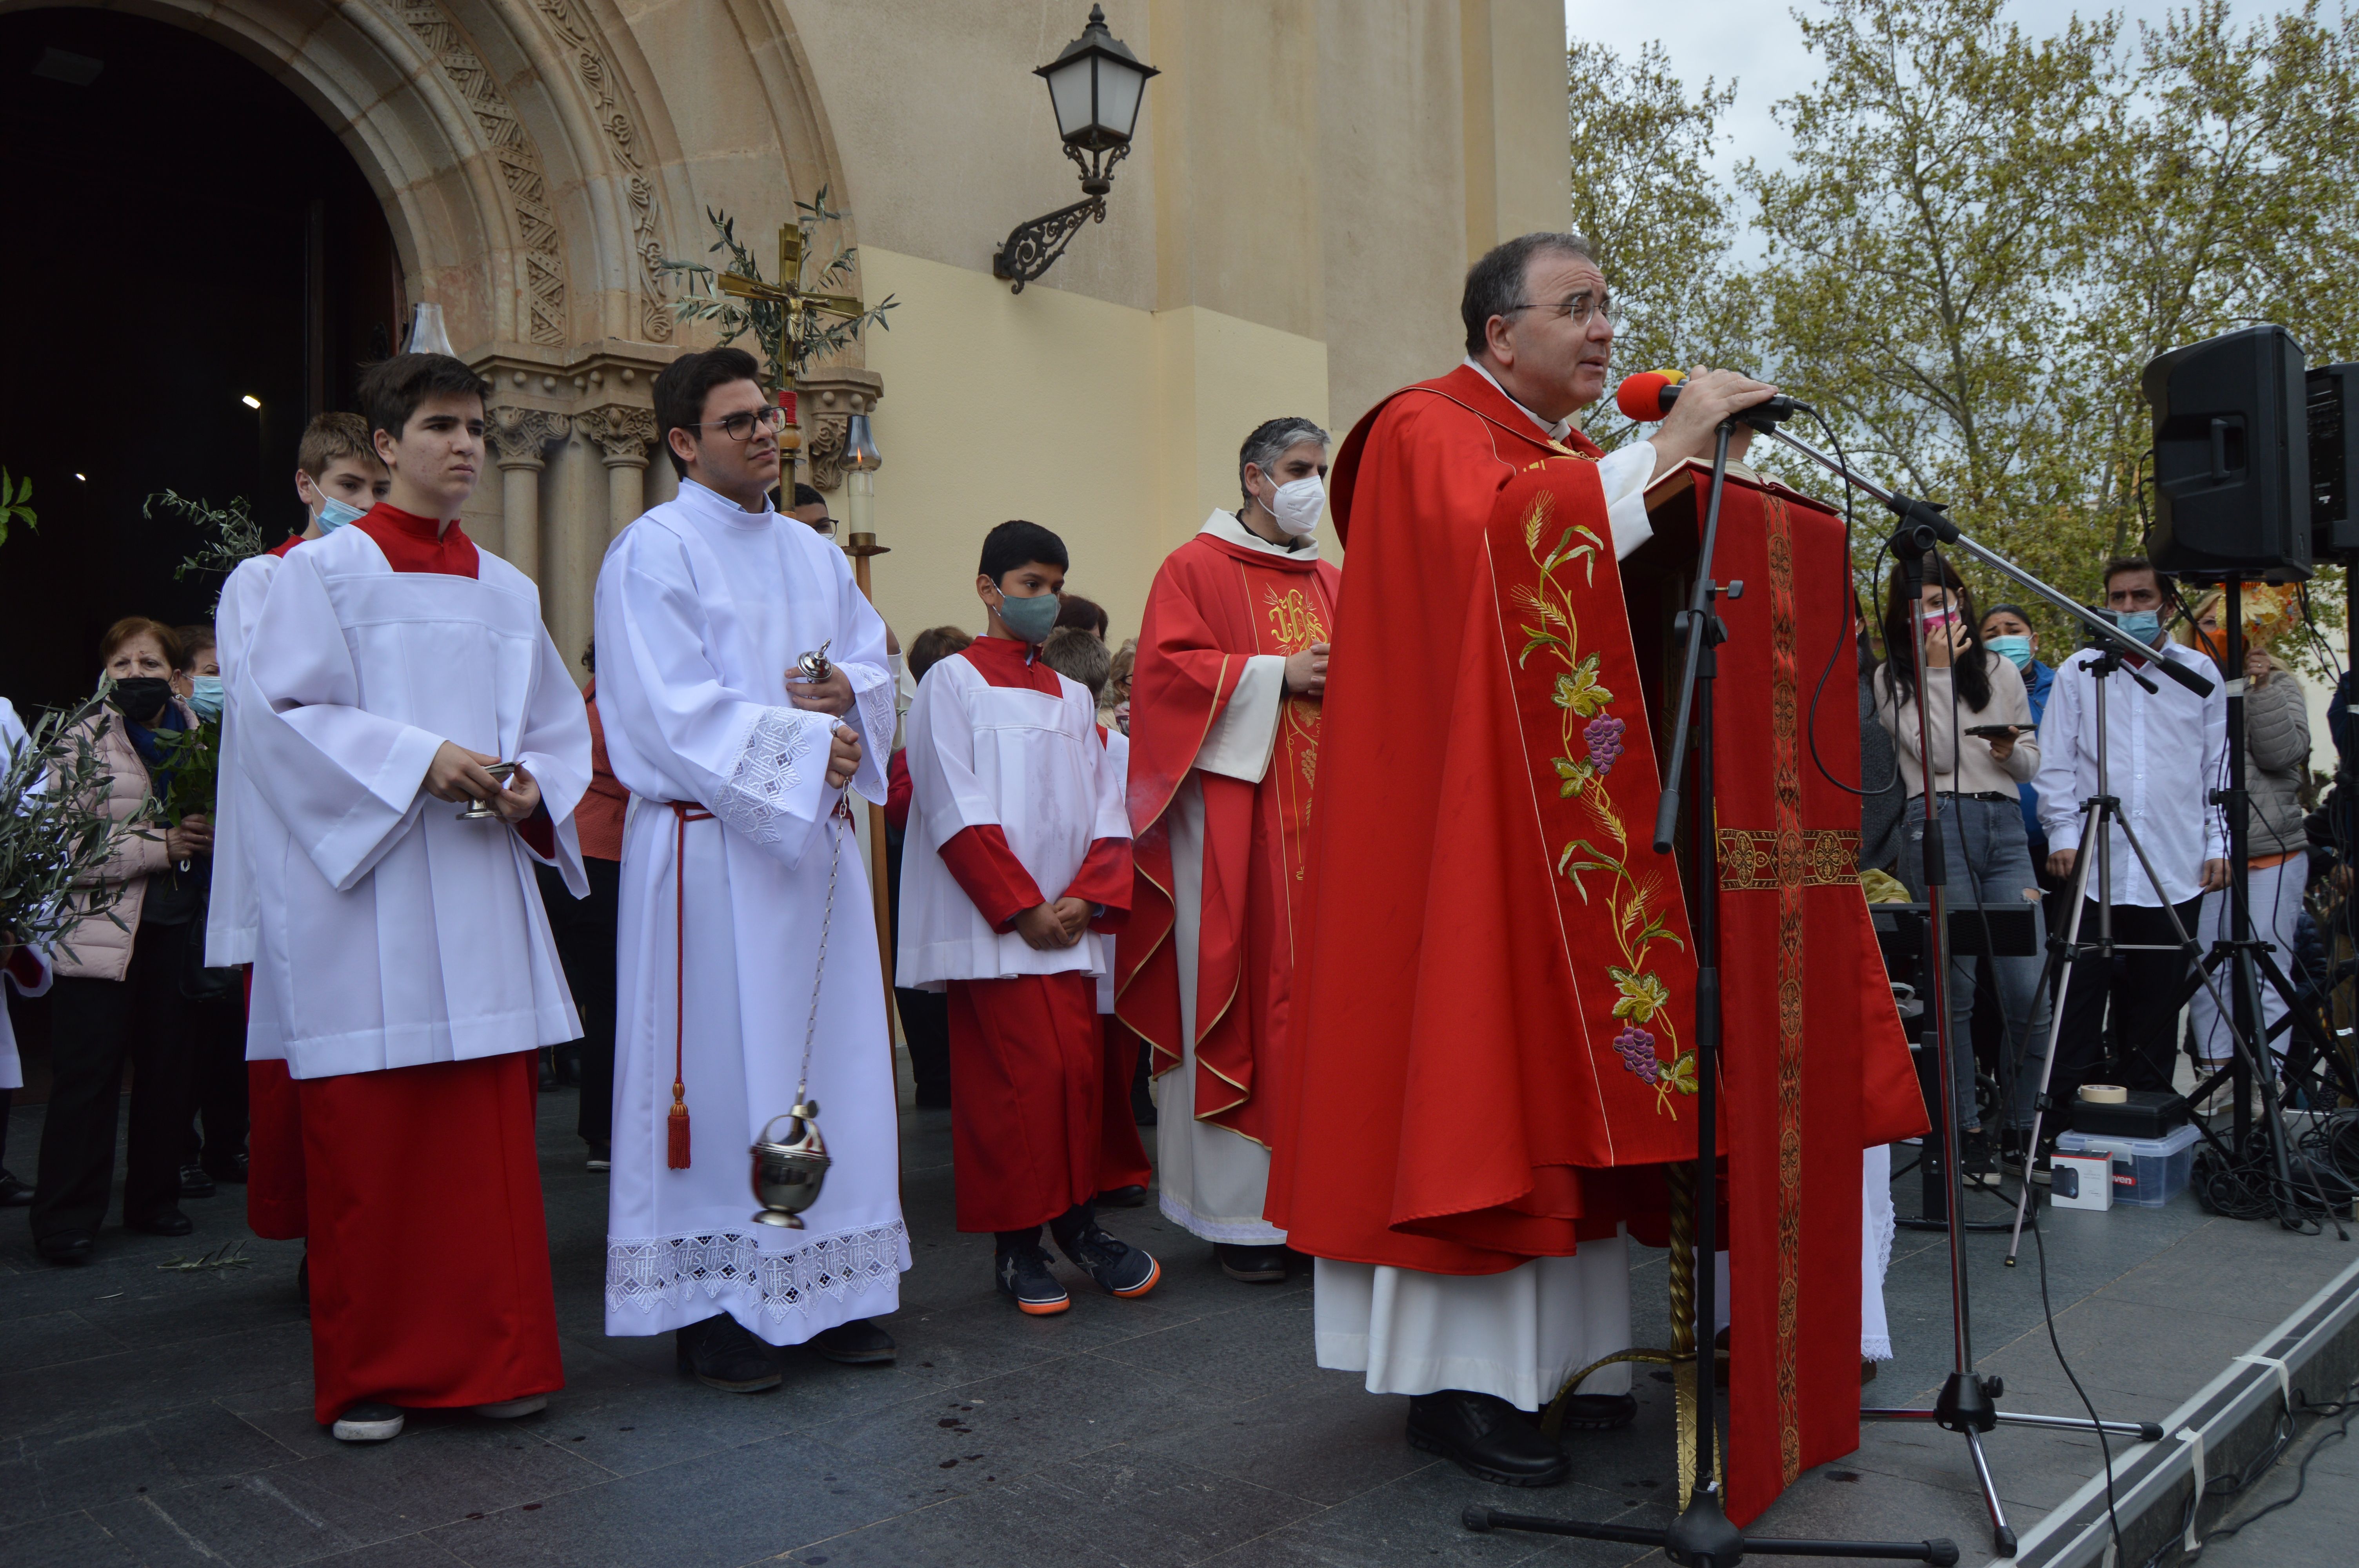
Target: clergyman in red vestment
column 1460, row 1173
column 402, row 948
column 1225, row 736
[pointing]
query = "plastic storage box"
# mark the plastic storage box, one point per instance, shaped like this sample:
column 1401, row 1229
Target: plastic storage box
column 2147, row 1171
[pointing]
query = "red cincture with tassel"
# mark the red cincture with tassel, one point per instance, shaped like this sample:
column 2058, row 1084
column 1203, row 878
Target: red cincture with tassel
column 676, row 1146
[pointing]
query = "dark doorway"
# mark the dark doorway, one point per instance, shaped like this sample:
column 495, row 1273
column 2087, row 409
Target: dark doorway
column 184, row 234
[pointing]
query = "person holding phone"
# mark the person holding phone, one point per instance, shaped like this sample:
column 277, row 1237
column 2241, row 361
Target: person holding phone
column 1977, row 726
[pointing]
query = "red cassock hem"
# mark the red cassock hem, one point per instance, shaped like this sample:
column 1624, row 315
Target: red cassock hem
column 275, row 1208
column 1122, row 1158
column 429, row 1255
column 1027, row 1065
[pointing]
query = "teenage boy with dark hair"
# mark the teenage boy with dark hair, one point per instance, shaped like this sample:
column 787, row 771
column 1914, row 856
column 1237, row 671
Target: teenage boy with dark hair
column 1012, row 795
column 744, row 906
column 337, row 478
column 403, row 960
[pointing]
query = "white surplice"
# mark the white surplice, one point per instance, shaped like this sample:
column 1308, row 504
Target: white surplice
column 391, row 934
column 974, row 749
column 245, row 834
column 702, row 609
column 1517, row 1334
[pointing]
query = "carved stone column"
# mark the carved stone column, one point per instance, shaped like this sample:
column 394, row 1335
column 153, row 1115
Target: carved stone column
column 520, row 438
column 827, row 399
column 623, row 434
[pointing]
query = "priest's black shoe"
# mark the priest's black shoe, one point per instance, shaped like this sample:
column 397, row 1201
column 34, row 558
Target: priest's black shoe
column 721, row 1354
column 67, row 1247
column 14, row 1194
column 1604, row 1413
column 860, row 1343
column 1489, row 1438
column 163, row 1222
column 194, row 1183
column 1253, row 1265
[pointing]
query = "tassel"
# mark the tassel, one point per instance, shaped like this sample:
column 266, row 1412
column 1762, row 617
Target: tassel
column 676, row 1133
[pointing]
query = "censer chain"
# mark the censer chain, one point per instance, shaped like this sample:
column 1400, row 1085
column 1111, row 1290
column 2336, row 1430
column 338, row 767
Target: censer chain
column 826, row 923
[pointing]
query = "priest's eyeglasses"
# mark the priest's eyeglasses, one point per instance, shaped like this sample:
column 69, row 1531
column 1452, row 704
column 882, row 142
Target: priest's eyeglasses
column 1581, row 307
column 740, row 426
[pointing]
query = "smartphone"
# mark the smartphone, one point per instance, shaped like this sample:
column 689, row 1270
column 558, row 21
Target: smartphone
column 1994, row 731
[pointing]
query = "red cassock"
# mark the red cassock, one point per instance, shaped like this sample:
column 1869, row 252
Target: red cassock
column 429, row 1248
column 1214, row 606
column 1497, row 1052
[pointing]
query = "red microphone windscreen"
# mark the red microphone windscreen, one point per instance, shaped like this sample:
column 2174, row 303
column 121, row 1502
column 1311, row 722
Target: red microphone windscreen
column 1640, row 397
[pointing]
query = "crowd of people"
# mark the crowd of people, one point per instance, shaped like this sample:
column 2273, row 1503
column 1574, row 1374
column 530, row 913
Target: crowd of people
column 434, row 872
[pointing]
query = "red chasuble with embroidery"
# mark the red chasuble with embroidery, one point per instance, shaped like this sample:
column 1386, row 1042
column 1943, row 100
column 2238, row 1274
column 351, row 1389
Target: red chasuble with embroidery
column 1214, row 605
column 1499, row 1046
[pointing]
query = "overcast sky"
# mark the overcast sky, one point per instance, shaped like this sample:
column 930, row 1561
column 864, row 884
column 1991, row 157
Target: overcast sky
column 1758, row 44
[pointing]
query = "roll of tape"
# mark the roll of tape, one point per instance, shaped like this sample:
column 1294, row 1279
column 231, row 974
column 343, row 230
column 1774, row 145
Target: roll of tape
column 2105, row 1094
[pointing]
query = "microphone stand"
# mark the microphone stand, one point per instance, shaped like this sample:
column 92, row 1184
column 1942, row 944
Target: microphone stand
column 1702, row 1536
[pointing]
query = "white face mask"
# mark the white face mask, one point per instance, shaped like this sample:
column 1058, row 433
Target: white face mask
column 1297, row 506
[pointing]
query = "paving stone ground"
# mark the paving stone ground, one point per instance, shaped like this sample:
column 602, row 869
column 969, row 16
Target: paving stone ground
column 150, row 1416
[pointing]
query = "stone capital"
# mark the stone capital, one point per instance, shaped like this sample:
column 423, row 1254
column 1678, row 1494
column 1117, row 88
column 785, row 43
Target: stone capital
column 825, row 400
column 623, row 432
column 520, row 437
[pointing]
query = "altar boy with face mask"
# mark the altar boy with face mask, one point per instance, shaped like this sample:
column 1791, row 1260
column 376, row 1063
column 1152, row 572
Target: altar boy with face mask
column 402, row 957
column 1018, row 856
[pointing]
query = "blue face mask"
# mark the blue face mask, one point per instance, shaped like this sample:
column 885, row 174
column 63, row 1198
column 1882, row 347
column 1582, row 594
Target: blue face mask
column 334, row 514
column 2140, row 626
column 205, row 696
column 2017, row 649
column 1030, row 618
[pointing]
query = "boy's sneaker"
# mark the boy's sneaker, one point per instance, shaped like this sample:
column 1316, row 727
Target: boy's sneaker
column 1117, row 1267
column 368, row 1421
column 1024, row 1279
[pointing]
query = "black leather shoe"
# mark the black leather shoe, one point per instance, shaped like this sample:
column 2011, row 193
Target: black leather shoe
column 1609, row 1413
column 1133, row 1196
column 163, row 1222
column 67, row 1247
column 720, row 1353
column 1489, row 1438
column 14, row 1194
column 228, row 1168
column 1253, row 1265
column 194, row 1183
column 860, row 1343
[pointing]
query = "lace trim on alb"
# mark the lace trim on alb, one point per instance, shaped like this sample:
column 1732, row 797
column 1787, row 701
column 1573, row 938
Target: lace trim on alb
column 768, row 769
column 676, row 1270
column 878, row 716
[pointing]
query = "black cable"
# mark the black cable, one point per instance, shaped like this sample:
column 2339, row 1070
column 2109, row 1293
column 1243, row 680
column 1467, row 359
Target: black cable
column 2347, row 1409
column 2046, row 1311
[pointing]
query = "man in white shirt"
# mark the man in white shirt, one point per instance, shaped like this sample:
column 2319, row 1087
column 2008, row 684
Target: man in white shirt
column 2166, row 752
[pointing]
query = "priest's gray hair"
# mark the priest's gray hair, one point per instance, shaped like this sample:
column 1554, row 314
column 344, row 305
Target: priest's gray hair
column 1269, row 442
column 1494, row 285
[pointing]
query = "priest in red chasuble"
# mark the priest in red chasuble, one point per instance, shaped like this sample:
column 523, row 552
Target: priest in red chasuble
column 1224, row 742
column 1493, row 1054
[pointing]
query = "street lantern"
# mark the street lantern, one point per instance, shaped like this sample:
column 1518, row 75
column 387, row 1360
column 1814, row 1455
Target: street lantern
column 1095, row 86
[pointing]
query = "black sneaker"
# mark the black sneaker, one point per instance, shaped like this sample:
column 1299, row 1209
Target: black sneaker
column 1119, row 1268
column 1024, row 1279
column 194, row 1183
column 1131, row 1196
column 721, row 1352
column 368, row 1421
column 862, row 1342
column 229, row 1168
column 2010, row 1159
column 14, row 1194
column 601, row 1157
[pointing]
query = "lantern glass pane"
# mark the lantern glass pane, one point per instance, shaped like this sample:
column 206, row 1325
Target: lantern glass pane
column 1119, row 88
column 1068, row 93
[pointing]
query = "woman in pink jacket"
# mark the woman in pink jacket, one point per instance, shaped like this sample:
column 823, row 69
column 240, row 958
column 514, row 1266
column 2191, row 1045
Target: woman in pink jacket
column 117, row 993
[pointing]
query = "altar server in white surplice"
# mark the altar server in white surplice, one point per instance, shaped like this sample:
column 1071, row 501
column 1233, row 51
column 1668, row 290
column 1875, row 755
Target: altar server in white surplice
column 402, row 948
column 736, row 847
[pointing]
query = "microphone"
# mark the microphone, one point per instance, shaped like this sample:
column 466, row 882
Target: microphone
column 1649, row 397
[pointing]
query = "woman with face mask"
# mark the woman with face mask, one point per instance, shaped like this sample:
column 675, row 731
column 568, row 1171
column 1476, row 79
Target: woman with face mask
column 2007, row 633
column 1960, row 685
column 2277, row 752
column 118, row 991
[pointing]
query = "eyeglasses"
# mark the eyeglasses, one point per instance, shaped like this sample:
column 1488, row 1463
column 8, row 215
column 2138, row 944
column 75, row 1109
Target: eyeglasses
column 824, row 527
column 1581, row 307
column 740, row 426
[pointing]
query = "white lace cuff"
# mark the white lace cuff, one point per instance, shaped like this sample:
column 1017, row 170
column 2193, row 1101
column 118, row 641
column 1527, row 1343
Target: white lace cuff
column 779, row 777
column 877, row 716
column 731, row 1269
